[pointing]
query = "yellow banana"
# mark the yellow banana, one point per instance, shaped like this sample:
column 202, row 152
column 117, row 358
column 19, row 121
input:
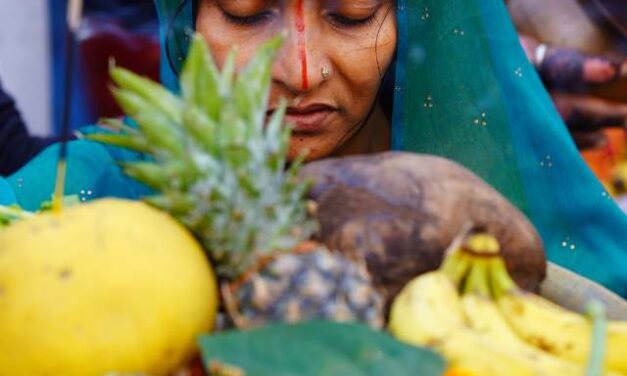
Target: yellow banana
column 467, row 350
column 483, row 315
column 428, row 312
column 553, row 328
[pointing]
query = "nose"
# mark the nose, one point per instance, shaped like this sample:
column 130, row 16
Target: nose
column 301, row 60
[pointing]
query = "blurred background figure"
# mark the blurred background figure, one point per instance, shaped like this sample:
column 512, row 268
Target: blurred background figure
column 32, row 60
column 124, row 31
column 17, row 145
column 579, row 49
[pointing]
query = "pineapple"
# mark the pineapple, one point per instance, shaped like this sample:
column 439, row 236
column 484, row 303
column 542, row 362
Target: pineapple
column 220, row 167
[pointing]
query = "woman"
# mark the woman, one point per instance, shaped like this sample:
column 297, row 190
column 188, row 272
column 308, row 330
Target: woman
column 462, row 88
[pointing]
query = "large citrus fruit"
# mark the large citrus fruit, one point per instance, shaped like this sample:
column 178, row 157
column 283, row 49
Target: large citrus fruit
column 110, row 286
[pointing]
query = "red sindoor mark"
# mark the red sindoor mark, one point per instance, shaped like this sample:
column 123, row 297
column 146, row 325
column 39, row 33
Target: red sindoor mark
column 302, row 45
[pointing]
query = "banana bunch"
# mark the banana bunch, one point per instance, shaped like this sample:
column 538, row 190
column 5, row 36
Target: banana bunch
column 472, row 312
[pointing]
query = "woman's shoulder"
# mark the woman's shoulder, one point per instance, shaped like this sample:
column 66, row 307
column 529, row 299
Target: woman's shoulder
column 93, row 171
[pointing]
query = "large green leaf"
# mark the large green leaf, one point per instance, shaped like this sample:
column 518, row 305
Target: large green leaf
column 318, row 349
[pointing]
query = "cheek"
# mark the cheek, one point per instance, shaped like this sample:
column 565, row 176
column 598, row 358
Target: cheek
column 362, row 66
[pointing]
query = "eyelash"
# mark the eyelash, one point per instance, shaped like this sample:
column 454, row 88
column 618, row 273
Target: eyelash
column 251, row 20
column 337, row 20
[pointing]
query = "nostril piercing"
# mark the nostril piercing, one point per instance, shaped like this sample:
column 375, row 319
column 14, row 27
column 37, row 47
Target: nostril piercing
column 326, row 72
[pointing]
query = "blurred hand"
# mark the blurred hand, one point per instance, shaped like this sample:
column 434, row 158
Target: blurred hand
column 586, row 116
column 569, row 76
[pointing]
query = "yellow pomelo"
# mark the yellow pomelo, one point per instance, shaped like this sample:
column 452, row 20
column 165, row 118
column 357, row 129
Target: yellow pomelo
column 110, row 286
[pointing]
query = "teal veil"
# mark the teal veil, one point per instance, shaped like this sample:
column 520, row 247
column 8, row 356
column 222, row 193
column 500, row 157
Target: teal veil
column 465, row 90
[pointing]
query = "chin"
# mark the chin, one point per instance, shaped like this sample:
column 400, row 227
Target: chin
column 313, row 149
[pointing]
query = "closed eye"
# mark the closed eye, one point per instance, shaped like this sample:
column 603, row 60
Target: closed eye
column 250, row 20
column 339, row 20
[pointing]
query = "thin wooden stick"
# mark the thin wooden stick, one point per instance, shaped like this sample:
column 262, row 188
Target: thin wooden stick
column 74, row 15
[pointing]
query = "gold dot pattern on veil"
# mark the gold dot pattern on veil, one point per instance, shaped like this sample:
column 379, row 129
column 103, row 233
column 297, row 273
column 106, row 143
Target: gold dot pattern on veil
column 85, row 194
column 481, row 120
column 546, row 162
column 425, row 14
column 568, row 243
column 428, row 103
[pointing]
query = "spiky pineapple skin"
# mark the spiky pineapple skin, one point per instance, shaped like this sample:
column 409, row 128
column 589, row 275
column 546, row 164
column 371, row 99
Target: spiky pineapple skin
column 313, row 285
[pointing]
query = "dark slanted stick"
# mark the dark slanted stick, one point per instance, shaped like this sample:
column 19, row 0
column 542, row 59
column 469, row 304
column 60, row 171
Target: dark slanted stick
column 74, row 16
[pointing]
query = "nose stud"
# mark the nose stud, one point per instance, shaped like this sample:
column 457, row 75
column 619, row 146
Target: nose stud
column 325, row 72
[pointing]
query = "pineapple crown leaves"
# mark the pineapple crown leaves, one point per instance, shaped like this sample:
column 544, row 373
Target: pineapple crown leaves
column 218, row 166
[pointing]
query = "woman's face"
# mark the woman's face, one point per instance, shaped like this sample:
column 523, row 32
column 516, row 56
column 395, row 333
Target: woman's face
column 329, row 68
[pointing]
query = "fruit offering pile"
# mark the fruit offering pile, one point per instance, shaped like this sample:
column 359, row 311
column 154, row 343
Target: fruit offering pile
column 472, row 312
column 228, row 242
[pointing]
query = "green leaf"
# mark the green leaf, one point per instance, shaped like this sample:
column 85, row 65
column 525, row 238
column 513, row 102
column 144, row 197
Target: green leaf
column 126, row 141
column 251, row 85
column 173, row 202
column 149, row 90
column 228, row 73
column 318, row 348
column 131, row 103
column 161, row 132
column 151, row 174
column 201, row 128
column 200, row 79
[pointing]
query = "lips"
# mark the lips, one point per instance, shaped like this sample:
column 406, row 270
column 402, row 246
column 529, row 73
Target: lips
column 308, row 120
